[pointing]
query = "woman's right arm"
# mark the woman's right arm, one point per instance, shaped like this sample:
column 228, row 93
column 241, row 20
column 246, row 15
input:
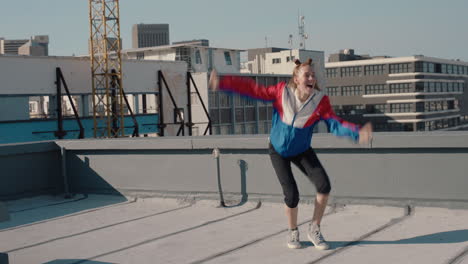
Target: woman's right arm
column 245, row 86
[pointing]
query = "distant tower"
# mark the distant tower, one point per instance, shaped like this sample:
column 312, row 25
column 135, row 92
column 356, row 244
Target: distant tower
column 150, row 35
column 302, row 35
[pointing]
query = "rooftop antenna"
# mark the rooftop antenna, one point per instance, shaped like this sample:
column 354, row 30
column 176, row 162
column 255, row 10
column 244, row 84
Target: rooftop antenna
column 290, row 41
column 266, row 42
column 302, row 35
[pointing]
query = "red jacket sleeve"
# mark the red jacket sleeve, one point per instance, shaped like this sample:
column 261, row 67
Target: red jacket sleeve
column 248, row 87
column 336, row 125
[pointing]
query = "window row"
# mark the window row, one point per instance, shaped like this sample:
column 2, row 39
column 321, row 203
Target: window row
column 240, row 129
column 428, row 87
column 355, row 71
column 430, row 67
column 440, row 87
column 399, row 68
column 434, row 106
column 374, row 69
column 441, row 123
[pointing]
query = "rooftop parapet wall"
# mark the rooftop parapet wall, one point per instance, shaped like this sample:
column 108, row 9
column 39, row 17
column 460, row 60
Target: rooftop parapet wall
column 409, row 167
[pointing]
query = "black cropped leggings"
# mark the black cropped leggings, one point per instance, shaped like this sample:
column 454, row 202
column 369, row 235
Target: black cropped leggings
column 309, row 164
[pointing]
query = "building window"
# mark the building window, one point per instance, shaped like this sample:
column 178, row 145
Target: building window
column 332, row 73
column 421, row 66
column 376, row 108
column 333, row 91
column 33, row 107
column 198, row 59
column 400, row 108
column 353, row 109
column 276, row 60
column 400, row 88
column 351, row 90
column 227, row 58
column 290, row 58
column 350, row 71
column 374, row 69
column 375, row 89
column 399, row 67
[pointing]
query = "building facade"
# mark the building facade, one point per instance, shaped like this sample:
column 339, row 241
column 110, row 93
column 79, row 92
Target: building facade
column 35, row 46
column 150, row 35
column 415, row 93
column 198, row 58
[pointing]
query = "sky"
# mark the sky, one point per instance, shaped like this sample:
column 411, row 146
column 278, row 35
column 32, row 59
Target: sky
column 396, row 28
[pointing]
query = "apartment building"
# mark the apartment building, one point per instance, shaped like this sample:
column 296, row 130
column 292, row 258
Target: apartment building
column 415, row 93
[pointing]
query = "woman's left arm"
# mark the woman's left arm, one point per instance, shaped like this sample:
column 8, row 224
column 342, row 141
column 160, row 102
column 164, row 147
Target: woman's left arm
column 340, row 127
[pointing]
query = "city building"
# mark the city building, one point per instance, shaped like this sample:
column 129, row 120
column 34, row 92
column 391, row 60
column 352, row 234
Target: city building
column 415, row 93
column 198, row 58
column 195, row 42
column 277, row 60
column 35, row 46
column 150, row 35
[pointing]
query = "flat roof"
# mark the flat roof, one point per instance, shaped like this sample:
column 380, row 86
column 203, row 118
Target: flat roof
column 117, row 229
column 394, row 60
column 174, row 46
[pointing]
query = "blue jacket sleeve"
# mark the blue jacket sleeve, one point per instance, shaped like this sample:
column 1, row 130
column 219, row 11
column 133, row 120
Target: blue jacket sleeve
column 336, row 125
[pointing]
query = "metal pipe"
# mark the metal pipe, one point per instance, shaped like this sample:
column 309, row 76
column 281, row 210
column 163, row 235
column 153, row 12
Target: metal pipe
column 216, row 154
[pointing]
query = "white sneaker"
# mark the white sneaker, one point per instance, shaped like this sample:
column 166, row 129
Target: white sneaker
column 316, row 237
column 293, row 239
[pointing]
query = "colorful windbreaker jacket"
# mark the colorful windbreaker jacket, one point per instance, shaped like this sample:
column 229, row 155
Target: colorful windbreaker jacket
column 291, row 132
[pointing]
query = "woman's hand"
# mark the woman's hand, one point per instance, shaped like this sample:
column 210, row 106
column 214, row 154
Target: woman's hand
column 365, row 134
column 214, row 81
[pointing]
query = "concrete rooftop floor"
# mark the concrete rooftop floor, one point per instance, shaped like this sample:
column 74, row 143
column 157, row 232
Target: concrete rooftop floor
column 113, row 229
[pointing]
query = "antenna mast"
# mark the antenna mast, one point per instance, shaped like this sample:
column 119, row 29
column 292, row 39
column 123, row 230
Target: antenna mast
column 302, row 35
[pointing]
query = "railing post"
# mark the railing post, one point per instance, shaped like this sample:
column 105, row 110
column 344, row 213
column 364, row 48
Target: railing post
column 60, row 133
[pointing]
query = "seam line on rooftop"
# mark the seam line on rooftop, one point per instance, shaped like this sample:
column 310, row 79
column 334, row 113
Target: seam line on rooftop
column 52, row 204
column 409, row 211
column 226, row 252
column 458, row 258
column 69, row 215
column 258, row 205
column 96, row 229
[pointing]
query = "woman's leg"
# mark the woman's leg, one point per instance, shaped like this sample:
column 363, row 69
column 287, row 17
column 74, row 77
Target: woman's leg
column 283, row 171
column 313, row 169
column 291, row 214
column 321, row 200
column 310, row 165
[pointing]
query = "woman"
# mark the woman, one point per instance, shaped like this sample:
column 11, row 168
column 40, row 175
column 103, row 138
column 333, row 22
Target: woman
column 298, row 107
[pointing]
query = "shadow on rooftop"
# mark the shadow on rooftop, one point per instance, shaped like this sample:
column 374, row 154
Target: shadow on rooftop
column 454, row 236
column 75, row 261
column 83, row 180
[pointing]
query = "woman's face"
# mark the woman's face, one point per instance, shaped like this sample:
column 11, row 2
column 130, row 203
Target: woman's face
column 305, row 80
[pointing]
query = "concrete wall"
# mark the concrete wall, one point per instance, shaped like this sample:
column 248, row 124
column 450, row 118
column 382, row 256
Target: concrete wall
column 198, row 114
column 25, row 75
column 30, row 169
column 425, row 168
column 398, row 166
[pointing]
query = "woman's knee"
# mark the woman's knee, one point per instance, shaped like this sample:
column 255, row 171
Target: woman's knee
column 292, row 200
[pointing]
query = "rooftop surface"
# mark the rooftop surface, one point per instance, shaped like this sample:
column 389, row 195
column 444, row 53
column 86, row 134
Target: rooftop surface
column 117, row 229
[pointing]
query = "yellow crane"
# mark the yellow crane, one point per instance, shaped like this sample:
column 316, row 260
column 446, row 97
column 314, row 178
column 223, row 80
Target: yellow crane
column 106, row 68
